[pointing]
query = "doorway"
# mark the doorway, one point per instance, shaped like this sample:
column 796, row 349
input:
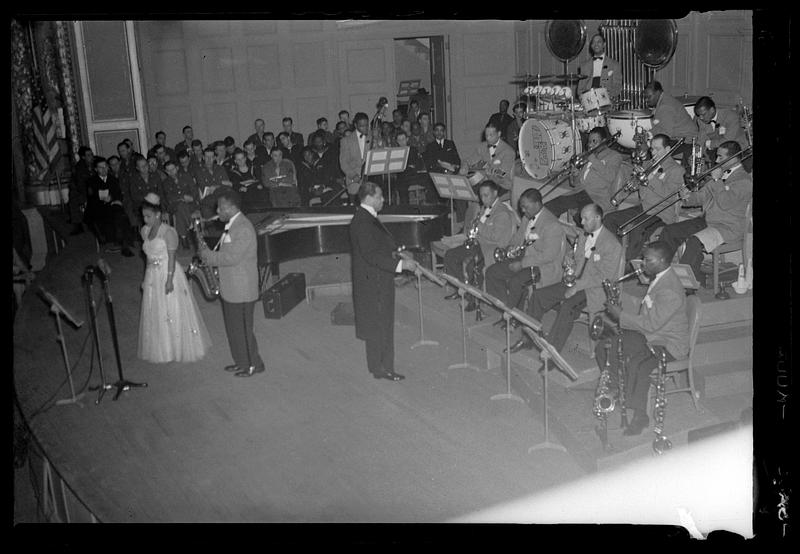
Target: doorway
column 420, row 75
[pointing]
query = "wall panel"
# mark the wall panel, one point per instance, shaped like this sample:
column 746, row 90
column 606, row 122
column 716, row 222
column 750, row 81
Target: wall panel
column 308, row 64
column 222, row 120
column 170, row 72
column 263, row 67
column 217, row 67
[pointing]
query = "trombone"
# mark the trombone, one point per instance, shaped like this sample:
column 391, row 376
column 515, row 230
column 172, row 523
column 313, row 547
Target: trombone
column 577, row 162
column 691, row 183
column 640, row 178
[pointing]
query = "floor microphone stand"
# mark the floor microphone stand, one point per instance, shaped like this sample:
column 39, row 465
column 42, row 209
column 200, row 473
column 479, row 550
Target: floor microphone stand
column 508, row 395
column 465, row 364
column 91, row 307
column 546, row 444
column 122, row 384
column 421, row 341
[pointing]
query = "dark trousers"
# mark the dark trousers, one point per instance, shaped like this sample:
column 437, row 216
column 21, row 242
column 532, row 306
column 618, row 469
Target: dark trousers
column 76, row 203
column 640, row 363
column 567, row 201
column 636, row 238
column 553, row 297
column 183, row 216
column 380, row 348
column 454, row 264
column 675, row 233
column 111, row 224
column 238, row 318
column 506, row 285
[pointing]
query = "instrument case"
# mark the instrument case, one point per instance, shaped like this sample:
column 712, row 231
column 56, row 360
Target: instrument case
column 284, row 295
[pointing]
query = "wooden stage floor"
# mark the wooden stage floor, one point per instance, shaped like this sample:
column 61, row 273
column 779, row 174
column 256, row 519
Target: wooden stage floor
column 314, row 439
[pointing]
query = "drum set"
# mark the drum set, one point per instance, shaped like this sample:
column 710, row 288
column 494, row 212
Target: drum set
column 550, row 136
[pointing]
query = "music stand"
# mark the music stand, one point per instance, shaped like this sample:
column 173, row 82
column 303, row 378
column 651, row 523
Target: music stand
column 547, row 353
column 420, row 271
column 385, row 161
column 59, row 310
column 462, row 290
column 454, row 187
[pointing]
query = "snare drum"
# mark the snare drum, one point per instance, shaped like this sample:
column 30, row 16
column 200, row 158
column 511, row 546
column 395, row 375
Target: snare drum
column 586, row 123
column 595, row 99
column 545, row 145
column 626, row 122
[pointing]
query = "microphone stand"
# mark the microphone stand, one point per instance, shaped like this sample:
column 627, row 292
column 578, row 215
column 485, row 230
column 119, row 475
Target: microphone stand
column 91, row 307
column 422, row 341
column 122, row 384
column 74, row 399
column 462, row 293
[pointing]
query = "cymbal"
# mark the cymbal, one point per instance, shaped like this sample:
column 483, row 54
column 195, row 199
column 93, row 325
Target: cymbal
column 571, row 77
column 528, row 79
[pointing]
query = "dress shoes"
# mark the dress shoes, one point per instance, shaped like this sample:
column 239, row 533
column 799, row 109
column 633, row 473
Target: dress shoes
column 639, row 423
column 232, row 368
column 522, row 344
column 250, row 371
column 389, row 375
column 452, row 296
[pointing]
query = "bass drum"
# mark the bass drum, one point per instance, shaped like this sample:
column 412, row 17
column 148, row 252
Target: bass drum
column 626, row 122
column 545, row 145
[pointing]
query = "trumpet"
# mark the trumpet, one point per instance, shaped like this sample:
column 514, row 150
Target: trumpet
column 640, row 178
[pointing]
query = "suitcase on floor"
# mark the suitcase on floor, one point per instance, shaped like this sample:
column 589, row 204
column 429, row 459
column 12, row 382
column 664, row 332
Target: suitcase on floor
column 284, row 295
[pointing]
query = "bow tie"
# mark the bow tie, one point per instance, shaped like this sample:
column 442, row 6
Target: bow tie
column 597, row 58
column 492, row 146
column 587, row 234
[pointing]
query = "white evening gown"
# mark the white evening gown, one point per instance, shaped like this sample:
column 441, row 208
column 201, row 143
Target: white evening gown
column 171, row 328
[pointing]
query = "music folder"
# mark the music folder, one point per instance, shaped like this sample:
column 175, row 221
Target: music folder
column 457, row 187
column 386, row 160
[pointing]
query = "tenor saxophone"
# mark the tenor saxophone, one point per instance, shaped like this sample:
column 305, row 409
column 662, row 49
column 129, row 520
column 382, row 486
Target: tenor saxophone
column 474, row 255
column 207, row 277
column 604, row 400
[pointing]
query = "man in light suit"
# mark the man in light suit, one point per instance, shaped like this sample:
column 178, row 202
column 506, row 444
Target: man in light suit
column 716, row 126
column 353, row 153
column 505, row 280
column 659, row 319
column 495, row 158
column 670, row 118
column 664, row 182
column 375, row 262
column 238, row 279
column 603, row 71
column 724, row 201
column 596, row 178
column 598, row 257
column 495, row 227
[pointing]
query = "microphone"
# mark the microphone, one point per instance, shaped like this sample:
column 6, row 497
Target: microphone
column 104, row 268
column 58, row 307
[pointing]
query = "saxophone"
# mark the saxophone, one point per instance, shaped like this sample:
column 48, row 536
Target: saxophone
column 512, row 253
column 604, row 400
column 474, row 255
column 602, row 327
column 570, row 266
column 660, row 443
column 207, row 277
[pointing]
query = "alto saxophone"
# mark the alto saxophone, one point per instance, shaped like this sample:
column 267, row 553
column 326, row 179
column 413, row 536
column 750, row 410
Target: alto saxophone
column 207, row 277
column 660, row 443
column 570, row 266
column 602, row 327
column 512, row 253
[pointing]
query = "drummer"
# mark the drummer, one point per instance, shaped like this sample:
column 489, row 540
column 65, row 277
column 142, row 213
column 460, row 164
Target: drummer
column 604, row 71
column 596, row 179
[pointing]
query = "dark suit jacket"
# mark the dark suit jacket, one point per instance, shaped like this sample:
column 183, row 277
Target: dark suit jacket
column 93, row 203
column 373, row 266
column 447, row 153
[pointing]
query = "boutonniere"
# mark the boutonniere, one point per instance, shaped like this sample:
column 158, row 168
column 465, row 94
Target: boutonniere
column 610, row 73
column 655, row 122
column 721, row 130
column 533, row 236
column 496, row 162
column 648, row 301
column 596, row 257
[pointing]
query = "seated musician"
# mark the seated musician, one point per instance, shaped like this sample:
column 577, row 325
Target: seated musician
column 495, row 158
column 665, row 182
column 104, row 210
column 659, row 319
column 546, row 238
column 279, row 177
column 598, row 256
column 718, row 125
column 494, row 226
column 414, row 172
column 670, row 118
column 596, row 178
column 182, row 198
column 515, row 127
column 724, row 199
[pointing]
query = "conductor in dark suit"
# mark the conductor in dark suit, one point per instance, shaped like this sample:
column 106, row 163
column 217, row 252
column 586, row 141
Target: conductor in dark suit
column 375, row 262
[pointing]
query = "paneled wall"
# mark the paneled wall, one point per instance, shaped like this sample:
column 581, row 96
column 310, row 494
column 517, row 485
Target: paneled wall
column 714, row 55
column 219, row 76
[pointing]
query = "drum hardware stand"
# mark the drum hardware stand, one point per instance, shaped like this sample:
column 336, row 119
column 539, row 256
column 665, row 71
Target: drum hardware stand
column 122, row 384
column 421, row 341
column 465, row 364
column 92, row 310
column 508, row 395
column 56, row 308
column 722, row 294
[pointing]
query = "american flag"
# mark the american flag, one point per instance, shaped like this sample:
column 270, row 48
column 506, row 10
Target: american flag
column 45, row 144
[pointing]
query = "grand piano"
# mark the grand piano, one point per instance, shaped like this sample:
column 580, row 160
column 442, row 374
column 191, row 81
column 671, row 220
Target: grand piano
column 291, row 233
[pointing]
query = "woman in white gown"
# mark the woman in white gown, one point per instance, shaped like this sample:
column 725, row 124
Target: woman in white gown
column 171, row 328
